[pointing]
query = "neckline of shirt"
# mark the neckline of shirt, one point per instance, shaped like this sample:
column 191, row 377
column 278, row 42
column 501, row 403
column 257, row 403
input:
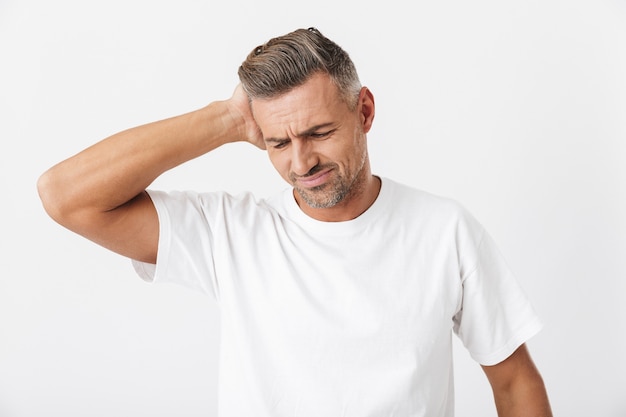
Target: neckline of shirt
column 357, row 224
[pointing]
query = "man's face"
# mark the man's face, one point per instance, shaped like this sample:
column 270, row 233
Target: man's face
column 316, row 142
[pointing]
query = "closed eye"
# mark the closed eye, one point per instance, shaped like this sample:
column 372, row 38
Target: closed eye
column 320, row 135
column 280, row 144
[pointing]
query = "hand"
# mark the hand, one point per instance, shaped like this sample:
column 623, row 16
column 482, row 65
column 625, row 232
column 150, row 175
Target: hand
column 239, row 106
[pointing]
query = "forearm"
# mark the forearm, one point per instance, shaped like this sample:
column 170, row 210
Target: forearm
column 115, row 170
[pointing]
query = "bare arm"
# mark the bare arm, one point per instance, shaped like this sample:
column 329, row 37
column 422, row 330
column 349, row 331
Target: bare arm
column 100, row 192
column 517, row 386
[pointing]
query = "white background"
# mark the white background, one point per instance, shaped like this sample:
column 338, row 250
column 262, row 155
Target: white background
column 516, row 109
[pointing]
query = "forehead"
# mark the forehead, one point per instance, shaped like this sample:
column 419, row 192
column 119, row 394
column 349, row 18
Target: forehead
column 315, row 102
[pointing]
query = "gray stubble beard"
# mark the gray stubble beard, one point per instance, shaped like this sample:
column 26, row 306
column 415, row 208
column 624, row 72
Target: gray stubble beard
column 339, row 190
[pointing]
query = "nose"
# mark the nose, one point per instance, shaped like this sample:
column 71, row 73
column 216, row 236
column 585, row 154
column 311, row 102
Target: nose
column 303, row 157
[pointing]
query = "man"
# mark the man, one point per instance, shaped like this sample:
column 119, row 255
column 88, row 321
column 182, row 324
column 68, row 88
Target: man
column 338, row 296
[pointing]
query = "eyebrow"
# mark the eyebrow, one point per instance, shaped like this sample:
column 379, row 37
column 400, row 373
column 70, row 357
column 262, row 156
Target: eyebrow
column 304, row 133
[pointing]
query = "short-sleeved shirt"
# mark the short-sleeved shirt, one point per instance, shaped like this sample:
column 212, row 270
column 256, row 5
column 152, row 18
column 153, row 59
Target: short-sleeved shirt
column 349, row 318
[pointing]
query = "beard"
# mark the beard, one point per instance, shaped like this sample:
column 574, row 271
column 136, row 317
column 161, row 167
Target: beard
column 325, row 195
column 338, row 189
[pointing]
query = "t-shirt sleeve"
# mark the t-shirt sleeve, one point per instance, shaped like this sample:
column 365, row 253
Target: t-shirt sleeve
column 496, row 316
column 185, row 249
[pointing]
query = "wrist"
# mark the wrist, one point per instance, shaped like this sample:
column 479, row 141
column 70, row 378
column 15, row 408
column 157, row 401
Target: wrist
column 218, row 124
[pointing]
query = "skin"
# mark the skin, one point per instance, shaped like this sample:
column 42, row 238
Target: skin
column 517, row 386
column 318, row 145
column 313, row 139
column 100, row 192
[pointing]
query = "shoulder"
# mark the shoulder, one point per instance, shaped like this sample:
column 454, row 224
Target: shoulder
column 211, row 205
column 417, row 201
column 202, row 199
column 440, row 216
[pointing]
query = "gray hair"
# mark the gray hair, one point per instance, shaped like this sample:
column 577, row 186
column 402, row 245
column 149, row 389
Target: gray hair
column 288, row 61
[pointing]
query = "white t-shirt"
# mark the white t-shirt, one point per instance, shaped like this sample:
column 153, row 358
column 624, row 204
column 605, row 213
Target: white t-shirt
column 349, row 318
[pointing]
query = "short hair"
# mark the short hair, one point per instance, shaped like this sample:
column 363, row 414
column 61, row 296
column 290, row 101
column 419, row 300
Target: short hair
column 288, row 61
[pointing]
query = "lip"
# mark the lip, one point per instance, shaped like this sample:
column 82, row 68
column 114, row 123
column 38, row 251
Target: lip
column 314, row 180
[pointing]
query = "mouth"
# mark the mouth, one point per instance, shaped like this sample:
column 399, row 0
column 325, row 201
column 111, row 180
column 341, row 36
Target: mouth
column 313, row 180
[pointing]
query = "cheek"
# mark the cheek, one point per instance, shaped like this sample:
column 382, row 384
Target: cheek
column 357, row 147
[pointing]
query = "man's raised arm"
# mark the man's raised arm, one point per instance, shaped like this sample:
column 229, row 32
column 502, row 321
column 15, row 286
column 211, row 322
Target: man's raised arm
column 100, row 192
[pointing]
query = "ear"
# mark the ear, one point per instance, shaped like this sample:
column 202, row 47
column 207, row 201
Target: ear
column 367, row 109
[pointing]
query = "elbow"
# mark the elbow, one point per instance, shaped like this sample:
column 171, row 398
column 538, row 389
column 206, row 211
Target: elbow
column 46, row 195
column 51, row 193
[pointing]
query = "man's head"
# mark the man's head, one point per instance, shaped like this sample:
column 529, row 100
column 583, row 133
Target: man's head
column 314, row 115
column 288, row 61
